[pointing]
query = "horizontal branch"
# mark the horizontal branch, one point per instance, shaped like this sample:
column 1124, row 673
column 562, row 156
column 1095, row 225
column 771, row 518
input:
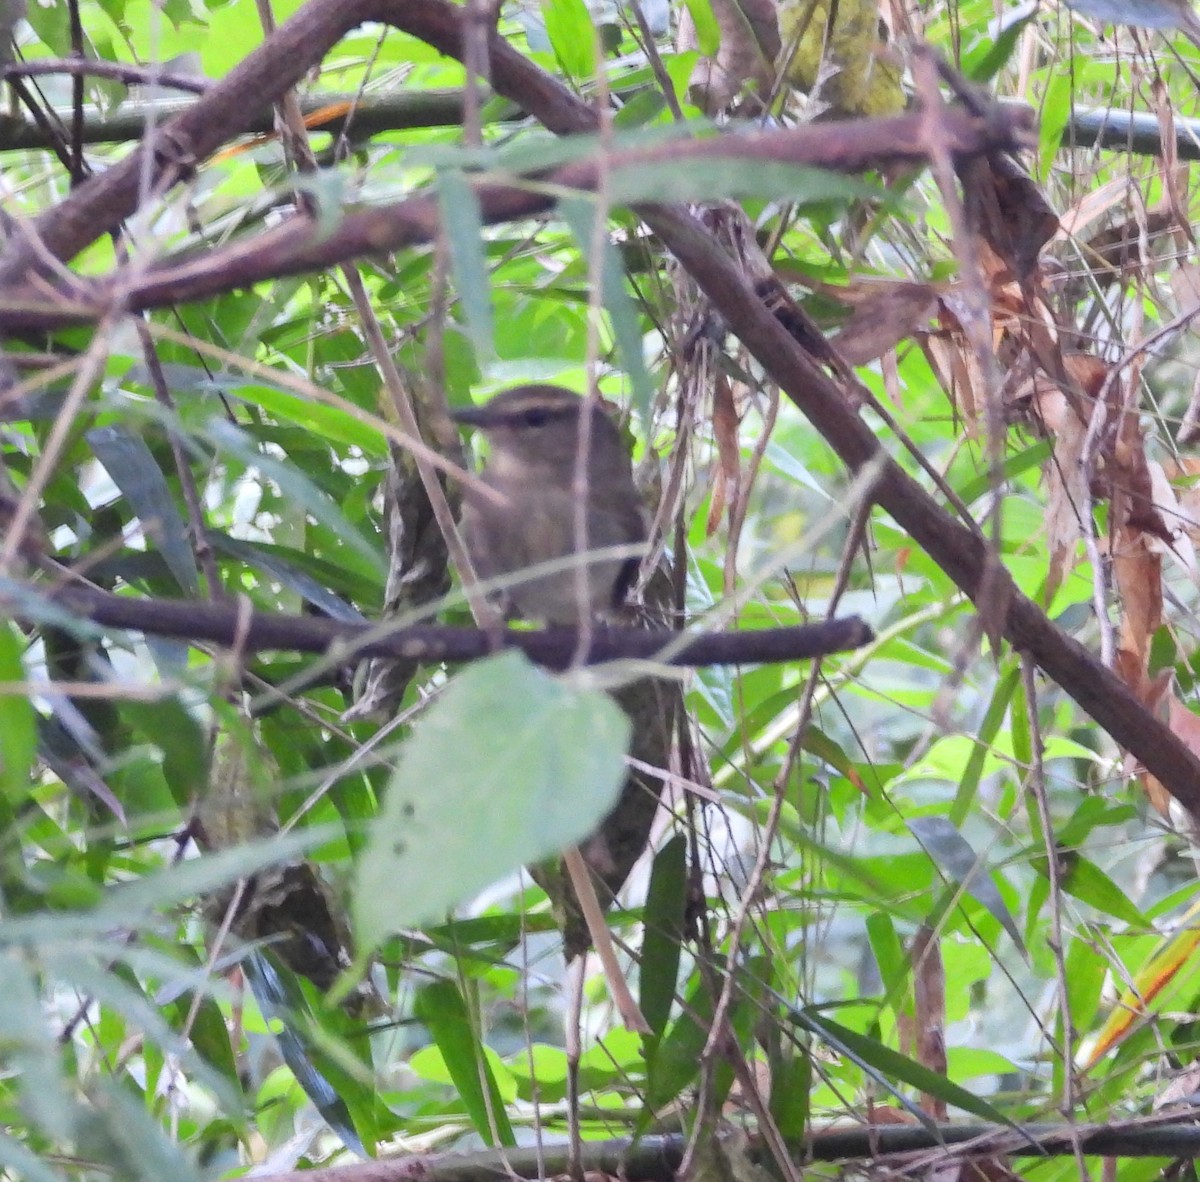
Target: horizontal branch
column 1135, row 132
column 130, row 122
column 656, row 1159
column 203, row 621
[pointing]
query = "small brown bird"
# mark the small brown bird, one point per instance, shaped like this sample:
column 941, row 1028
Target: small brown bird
column 534, row 434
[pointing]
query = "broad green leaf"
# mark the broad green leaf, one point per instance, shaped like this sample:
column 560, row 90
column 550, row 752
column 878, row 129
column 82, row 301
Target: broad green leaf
column 884, row 1065
column 122, row 1132
column 968, row 786
column 340, row 1096
column 325, row 422
column 708, row 31
column 984, row 66
column 1085, row 881
column 508, row 766
column 24, row 1163
column 677, row 1060
column 29, row 1049
column 723, row 178
column 296, row 485
column 1055, row 114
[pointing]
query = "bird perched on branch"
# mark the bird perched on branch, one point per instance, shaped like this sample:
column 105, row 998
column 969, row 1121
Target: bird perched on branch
column 531, row 534
column 556, row 565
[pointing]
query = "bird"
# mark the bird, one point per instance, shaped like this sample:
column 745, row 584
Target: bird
column 521, row 530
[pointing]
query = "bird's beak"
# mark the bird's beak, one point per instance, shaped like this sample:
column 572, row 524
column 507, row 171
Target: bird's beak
column 474, row 416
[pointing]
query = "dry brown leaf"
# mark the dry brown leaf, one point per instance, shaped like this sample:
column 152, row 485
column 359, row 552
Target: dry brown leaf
column 1093, row 205
column 1185, row 724
column 1182, row 1088
column 727, row 484
column 1008, row 210
column 886, row 1114
column 929, row 1005
column 1187, row 501
column 954, row 362
column 1117, row 251
column 1178, row 519
column 887, row 315
column 1068, row 497
column 1137, row 574
column 1185, row 287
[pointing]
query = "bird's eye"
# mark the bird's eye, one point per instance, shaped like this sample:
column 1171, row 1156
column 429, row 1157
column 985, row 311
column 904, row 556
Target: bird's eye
column 537, row 416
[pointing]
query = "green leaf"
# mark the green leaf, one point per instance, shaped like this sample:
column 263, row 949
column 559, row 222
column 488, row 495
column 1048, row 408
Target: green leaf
column 708, row 31
column 331, row 423
column 1055, row 115
column 968, row 786
column 626, row 324
column 883, row 1065
column 666, row 901
column 18, row 731
column 175, row 732
column 569, row 27
column 983, row 67
column 442, row 1009
column 1085, row 881
column 134, row 470
column 721, row 178
column 25, row 1164
column 29, row 1050
column 508, row 766
column 459, row 208
column 298, row 487
column 895, row 969
column 306, row 1040
column 677, row 1060
column 954, row 855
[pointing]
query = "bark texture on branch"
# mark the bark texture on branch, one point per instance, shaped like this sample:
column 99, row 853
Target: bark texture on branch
column 226, row 623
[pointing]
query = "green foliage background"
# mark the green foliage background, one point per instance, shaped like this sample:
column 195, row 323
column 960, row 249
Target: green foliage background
column 133, row 1047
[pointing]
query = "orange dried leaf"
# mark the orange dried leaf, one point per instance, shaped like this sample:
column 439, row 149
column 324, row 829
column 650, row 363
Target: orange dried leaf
column 1154, row 976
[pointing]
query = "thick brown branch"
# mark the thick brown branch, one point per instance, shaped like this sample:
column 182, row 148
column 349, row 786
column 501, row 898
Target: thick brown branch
column 299, row 245
column 224, row 623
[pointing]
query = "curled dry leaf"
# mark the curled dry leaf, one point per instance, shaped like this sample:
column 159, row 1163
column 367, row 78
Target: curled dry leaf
column 1008, row 210
column 884, row 315
column 1137, row 573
